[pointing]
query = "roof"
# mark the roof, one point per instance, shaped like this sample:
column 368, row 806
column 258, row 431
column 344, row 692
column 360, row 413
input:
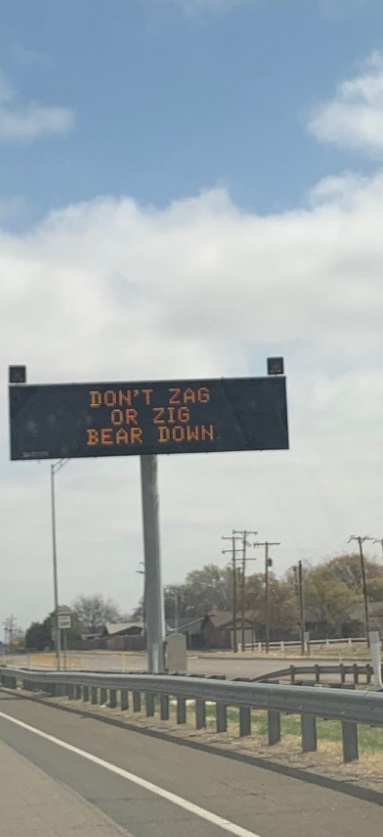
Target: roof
column 190, row 626
column 374, row 609
column 113, row 628
column 224, row 618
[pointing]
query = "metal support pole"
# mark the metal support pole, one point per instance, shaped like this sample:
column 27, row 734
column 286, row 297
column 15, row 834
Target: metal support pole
column 154, row 603
column 55, row 581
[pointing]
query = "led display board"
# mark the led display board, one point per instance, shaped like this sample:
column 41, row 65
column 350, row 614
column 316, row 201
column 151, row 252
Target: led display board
column 56, row 421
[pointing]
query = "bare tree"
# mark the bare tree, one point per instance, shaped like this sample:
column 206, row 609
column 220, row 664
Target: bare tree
column 94, row 611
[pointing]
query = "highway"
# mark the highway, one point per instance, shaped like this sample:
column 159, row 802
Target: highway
column 65, row 774
column 109, row 661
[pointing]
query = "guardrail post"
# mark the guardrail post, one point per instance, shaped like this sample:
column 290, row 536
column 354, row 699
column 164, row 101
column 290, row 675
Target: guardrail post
column 200, row 713
column 164, row 703
column 356, row 673
column 274, row 726
column 124, row 700
column 78, row 691
column 150, row 704
column 136, row 701
column 181, row 710
column 369, row 673
column 221, row 717
column 292, row 675
column 244, row 721
column 94, row 695
column 342, row 672
column 350, row 741
column 112, row 698
column 103, row 697
column 85, row 694
column 70, row 691
column 317, row 673
column 309, row 733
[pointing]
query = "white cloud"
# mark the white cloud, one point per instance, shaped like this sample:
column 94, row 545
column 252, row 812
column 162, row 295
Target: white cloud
column 30, row 121
column 108, row 290
column 354, row 118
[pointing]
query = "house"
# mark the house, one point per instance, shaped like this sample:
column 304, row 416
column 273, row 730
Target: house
column 111, row 629
column 191, row 628
column 124, row 636
column 218, row 629
column 91, row 635
column 355, row 625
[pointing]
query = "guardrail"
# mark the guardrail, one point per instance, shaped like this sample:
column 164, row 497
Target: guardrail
column 349, row 708
column 359, row 672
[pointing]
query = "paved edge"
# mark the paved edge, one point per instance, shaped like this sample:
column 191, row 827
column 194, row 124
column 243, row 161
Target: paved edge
column 340, row 786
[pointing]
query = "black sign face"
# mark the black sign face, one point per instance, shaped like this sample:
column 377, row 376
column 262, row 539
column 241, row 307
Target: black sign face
column 60, row 421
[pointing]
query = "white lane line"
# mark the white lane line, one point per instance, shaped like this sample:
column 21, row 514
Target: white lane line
column 208, row 816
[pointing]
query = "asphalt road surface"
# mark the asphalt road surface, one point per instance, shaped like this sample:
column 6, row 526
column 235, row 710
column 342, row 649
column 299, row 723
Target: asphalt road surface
column 109, row 661
column 63, row 774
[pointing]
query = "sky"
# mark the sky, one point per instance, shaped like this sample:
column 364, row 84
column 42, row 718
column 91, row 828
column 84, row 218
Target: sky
column 188, row 187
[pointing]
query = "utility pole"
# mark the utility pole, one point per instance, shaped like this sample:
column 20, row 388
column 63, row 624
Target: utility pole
column 268, row 564
column 379, row 540
column 244, row 533
column 233, row 551
column 360, row 540
column 9, row 627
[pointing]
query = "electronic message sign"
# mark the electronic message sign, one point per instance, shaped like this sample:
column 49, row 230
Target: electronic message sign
column 56, row 421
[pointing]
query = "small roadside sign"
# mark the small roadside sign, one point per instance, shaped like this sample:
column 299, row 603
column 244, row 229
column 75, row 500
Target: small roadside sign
column 65, row 621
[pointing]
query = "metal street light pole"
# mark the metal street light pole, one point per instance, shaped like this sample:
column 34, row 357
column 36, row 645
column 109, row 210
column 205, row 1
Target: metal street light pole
column 54, row 468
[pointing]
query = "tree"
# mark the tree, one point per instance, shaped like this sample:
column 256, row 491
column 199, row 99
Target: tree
column 207, row 589
column 204, row 591
column 94, row 611
column 331, row 594
column 38, row 635
column 283, row 604
column 347, row 569
column 375, row 589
